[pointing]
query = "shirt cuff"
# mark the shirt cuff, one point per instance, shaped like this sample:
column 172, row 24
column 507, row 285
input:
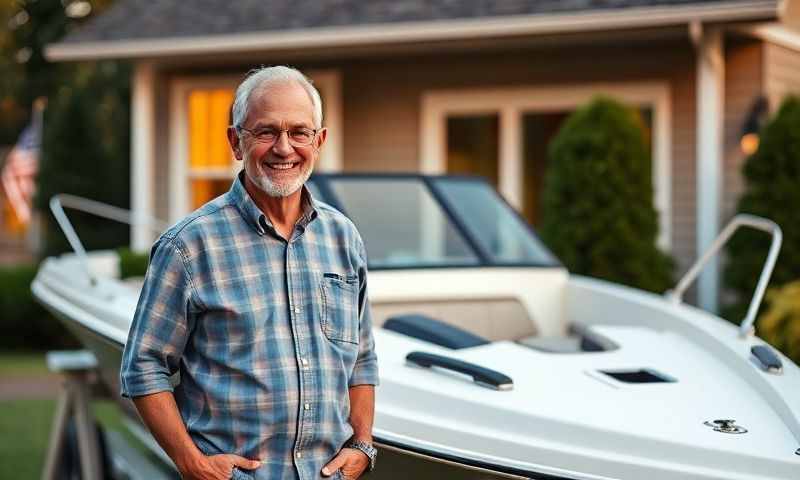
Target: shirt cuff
column 138, row 386
column 364, row 374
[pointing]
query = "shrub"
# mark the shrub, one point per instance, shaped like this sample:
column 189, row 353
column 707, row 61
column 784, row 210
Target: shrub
column 25, row 324
column 599, row 216
column 132, row 264
column 780, row 323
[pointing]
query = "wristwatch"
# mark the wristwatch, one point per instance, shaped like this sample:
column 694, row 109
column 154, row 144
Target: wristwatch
column 370, row 451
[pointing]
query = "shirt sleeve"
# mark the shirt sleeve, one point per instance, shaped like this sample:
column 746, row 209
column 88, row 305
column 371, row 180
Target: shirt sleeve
column 160, row 325
column 365, row 371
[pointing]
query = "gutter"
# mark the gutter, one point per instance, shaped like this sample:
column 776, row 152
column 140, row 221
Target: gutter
column 418, row 31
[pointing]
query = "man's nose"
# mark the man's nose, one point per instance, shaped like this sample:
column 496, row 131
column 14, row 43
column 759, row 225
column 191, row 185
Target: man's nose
column 282, row 145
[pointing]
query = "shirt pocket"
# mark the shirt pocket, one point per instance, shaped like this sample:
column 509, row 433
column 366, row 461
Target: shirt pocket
column 339, row 316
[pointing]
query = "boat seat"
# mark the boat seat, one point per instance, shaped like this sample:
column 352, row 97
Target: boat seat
column 434, row 331
column 493, row 319
column 580, row 339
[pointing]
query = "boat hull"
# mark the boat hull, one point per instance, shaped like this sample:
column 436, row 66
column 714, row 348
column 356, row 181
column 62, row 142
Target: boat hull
column 439, row 426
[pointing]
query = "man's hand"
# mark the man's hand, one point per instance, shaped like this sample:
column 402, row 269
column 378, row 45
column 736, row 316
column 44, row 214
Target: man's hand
column 350, row 461
column 216, row 467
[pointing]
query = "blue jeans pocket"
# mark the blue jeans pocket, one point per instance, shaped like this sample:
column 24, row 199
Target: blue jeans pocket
column 241, row 475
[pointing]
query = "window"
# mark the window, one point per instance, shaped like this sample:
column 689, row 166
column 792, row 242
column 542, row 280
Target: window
column 211, row 165
column 401, row 223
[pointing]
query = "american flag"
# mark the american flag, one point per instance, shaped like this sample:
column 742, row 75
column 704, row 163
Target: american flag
column 19, row 172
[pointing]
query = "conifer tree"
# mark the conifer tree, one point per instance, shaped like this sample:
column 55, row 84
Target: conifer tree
column 599, row 216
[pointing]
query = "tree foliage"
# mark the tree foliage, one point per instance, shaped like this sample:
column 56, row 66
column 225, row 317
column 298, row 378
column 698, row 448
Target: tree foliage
column 85, row 142
column 599, row 216
column 85, row 152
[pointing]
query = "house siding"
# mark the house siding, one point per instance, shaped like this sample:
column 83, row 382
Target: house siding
column 781, row 73
column 743, row 85
column 382, row 102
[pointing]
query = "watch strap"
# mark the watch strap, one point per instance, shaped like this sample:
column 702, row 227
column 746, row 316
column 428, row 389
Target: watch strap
column 370, row 451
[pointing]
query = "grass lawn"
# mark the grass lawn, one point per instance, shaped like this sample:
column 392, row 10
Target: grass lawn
column 25, row 423
column 25, row 430
column 20, row 364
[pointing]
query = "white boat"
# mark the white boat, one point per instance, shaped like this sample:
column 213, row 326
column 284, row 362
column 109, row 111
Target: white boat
column 494, row 359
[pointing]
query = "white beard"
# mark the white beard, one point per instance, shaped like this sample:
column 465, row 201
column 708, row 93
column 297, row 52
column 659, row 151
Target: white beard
column 284, row 189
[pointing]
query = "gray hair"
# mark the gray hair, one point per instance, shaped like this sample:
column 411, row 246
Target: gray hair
column 259, row 78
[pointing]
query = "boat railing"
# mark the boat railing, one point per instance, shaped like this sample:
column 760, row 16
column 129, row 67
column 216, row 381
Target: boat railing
column 100, row 209
column 742, row 220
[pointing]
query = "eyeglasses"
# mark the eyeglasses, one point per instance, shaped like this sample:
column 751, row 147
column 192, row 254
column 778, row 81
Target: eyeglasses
column 298, row 137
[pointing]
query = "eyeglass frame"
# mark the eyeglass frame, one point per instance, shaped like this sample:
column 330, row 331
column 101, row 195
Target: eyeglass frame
column 280, row 131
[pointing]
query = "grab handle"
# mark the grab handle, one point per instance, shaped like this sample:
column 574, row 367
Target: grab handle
column 483, row 376
column 742, row 220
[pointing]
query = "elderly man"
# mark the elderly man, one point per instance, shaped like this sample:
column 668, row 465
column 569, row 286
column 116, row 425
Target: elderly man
column 259, row 300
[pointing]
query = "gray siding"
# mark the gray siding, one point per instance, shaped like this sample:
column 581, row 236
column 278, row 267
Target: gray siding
column 781, row 73
column 743, row 85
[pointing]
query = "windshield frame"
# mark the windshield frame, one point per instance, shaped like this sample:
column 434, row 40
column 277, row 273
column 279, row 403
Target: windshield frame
column 321, row 182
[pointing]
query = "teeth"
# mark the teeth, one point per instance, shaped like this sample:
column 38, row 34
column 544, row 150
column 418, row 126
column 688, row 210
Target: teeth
column 281, row 166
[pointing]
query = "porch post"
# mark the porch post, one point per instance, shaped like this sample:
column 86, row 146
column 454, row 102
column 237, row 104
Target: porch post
column 710, row 110
column 142, row 153
column 510, row 157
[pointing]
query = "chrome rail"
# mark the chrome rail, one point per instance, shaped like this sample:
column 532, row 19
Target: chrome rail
column 742, row 220
column 61, row 200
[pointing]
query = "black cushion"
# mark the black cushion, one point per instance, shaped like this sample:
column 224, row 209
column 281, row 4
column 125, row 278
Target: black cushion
column 433, row 331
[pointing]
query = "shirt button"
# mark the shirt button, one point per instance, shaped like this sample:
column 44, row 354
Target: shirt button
column 298, row 455
column 307, row 406
column 304, row 362
column 296, row 309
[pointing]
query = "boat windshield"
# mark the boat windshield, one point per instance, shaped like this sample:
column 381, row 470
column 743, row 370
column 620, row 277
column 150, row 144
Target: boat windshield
column 422, row 222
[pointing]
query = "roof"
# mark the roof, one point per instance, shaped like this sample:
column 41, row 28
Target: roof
column 146, row 23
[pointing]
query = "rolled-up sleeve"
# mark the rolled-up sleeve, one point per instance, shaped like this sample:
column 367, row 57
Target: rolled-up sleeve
column 365, row 371
column 161, row 324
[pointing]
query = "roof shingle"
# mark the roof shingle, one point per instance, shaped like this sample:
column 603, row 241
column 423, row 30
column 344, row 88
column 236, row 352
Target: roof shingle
column 155, row 19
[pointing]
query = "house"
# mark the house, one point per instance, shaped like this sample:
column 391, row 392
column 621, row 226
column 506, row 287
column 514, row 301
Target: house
column 462, row 86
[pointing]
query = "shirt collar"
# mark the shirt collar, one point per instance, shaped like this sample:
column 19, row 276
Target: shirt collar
column 256, row 218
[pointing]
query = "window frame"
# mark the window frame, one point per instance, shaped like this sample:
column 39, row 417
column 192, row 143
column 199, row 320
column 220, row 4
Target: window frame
column 511, row 103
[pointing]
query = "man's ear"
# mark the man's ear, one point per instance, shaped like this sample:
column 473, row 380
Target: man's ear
column 322, row 135
column 233, row 139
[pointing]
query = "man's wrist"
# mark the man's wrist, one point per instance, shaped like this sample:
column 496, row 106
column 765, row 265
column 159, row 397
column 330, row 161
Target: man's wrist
column 366, row 438
column 189, row 460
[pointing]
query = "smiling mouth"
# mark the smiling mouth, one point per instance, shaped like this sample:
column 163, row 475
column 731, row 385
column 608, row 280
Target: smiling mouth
column 282, row 166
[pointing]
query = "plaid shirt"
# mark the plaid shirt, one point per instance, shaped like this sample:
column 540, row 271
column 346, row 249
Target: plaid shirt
column 267, row 335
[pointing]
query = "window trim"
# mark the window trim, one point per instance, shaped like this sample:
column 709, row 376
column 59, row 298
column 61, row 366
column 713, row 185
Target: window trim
column 510, row 103
column 179, row 196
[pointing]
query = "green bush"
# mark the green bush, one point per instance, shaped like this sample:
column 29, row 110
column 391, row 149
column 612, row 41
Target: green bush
column 780, row 323
column 599, row 216
column 772, row 190
column 26, row 325
column 132, row 264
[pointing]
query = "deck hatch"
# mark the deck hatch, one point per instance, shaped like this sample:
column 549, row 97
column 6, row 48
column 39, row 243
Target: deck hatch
column 641, row 375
